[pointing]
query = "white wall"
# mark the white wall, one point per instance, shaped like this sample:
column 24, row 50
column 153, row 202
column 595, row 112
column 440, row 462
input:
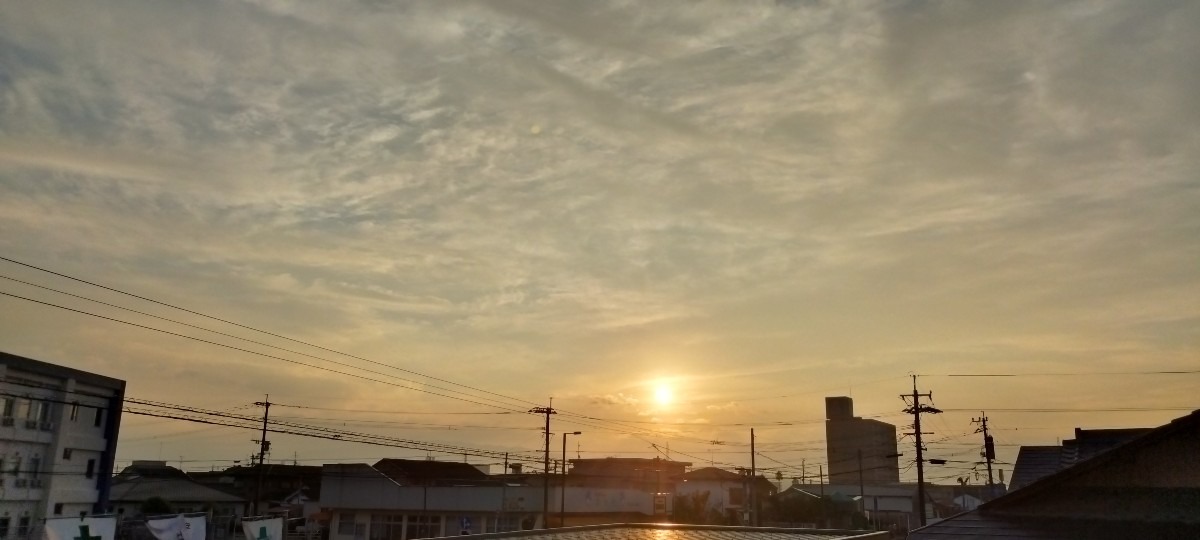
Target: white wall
column 59, row 480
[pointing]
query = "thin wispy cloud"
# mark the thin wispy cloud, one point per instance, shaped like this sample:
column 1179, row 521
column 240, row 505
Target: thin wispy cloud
column 567, row 199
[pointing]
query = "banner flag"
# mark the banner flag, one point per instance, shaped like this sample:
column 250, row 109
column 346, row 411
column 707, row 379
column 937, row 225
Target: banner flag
column 195, row 527
column 263, row 529
column 88, row 528
column 178, row 527
column 166, row 527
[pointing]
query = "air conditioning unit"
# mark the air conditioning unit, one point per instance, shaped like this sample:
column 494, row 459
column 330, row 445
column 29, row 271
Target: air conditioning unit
column 46, row 426
column 31, row 424
column 7, row 421
column 21, row 482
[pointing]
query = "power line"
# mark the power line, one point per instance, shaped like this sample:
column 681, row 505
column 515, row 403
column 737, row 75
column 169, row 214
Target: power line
column 289, row 360
column 225, row 334
column 260, row 330
column 382, row 412
column 1067, row 374
column 1069, row 410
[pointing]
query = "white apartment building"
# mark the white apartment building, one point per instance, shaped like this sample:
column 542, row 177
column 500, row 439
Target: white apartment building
column 58, row 439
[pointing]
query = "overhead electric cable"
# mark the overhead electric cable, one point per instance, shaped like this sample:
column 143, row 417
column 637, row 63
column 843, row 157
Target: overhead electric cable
column 289, row 360
column 172, row 306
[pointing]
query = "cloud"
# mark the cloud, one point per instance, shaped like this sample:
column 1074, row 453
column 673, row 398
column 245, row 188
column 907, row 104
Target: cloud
column 615, row 399
column 746, row 196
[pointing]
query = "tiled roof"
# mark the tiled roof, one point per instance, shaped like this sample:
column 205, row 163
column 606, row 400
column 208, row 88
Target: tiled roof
column 979, row 526
column 1125, row 492
column 414, row 471
column 1033, row 463
column 175, row 490
column 712, row 473
column 663, row 531
column 1036, row 462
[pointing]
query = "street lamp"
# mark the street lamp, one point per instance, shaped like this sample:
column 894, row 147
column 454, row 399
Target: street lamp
column 562, row 489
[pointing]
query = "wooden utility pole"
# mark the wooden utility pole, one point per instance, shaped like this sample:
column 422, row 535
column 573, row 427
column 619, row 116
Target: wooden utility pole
column 753, row 481
column 263, row 446
column 916, row 409
column 989, row 450
column 546, row 463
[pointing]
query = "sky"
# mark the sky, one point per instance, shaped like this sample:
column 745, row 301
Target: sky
column 680, row 220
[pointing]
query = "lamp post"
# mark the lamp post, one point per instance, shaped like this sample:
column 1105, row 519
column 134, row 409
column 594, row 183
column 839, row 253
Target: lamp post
column 562, row 489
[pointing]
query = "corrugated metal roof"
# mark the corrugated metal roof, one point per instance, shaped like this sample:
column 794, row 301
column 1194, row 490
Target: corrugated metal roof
column 665, row 531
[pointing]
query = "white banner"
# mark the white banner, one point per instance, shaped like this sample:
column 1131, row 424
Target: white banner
column 88, row 528
column 178, row 527
column 166, row 528
column 195, row 527
column 263, row 529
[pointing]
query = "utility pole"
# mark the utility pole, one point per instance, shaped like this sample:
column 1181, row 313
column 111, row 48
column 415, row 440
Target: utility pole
column 562, row 489
column 862, row 499
column 753, row 481
column 546, row 462
column 821, row 479
column 916, row 409
column 263, row 446
column 989, row 449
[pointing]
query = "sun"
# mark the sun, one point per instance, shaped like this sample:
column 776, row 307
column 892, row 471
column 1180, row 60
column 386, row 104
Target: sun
column 663, row 394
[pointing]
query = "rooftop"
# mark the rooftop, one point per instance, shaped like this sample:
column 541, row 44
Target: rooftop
column 425, row 472
column 176, row 490
column 667, row 531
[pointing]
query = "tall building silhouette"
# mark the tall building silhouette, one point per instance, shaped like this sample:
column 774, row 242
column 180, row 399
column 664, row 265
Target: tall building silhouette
column 846, row 435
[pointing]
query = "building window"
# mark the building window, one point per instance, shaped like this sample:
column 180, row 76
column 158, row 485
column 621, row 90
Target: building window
column 737, row 496
column 99, row 417
column 58, row 507
column 346, row 524
column 34, row 465
column 91, row 469
column 387, row 527
column 16, row 467
column 74, row 410
column 39, row 411
column 10, row 406
column 4, row 523
column 67, row 453
column 23, row 526
column 424, row 526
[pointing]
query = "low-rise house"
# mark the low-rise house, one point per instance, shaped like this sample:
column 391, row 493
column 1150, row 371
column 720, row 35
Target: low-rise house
column 883, row 506
column 649, row 475
column 145, row 480
column 410, row 500
column 716, row 496
column 279, row 482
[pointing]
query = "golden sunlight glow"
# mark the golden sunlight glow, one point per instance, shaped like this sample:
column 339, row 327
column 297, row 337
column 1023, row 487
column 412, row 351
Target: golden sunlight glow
column 663, row 394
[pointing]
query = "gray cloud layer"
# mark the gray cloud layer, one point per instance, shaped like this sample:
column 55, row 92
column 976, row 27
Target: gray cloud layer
column 575, row 198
